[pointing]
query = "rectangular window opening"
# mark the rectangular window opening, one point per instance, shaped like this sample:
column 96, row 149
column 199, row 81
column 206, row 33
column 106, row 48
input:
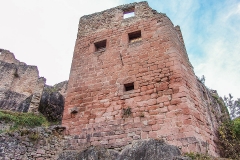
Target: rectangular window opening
column 101, row 45
column 129, row 12
column 129, row 86
column 134, row 36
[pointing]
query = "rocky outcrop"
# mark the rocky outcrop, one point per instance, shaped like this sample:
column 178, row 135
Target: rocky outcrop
column 52, row 101
column 142, row 149
column 20, row 84
column 61, row 88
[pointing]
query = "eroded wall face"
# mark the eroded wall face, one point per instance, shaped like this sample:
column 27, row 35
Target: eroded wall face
column 103, row 108
column 20, row 84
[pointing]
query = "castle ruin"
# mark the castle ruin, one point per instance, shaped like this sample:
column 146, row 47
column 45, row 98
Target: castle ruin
column 20, row 85
column 131, row 79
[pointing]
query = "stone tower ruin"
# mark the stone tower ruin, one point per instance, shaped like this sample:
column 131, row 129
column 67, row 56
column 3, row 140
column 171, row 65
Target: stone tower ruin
column 131, row 79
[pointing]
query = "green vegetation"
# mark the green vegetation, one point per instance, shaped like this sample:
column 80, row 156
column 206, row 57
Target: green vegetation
column 20, row 120
column 229, row 130
column 223, row 107
column 127, row 112
column 229, row 139
column 34, row 136
column 236, row 127
column 198, row 156
column 233, row 106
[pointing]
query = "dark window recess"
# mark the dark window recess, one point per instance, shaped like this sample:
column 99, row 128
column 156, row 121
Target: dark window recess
column 101, row 45
column 134, row 36
column 129, row 86
column 129, row 12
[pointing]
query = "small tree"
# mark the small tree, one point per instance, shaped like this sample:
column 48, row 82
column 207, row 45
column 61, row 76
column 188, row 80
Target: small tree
column 233, row 106
column 202, row 79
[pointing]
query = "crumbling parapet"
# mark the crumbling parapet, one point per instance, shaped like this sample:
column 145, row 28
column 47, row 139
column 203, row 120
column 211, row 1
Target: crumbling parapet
column 7, row 56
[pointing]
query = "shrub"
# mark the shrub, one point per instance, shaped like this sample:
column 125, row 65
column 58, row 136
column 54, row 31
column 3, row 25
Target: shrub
column 127, row 112
column 198, row 156
column 229, row 139
column 34, row 136
column 236, row 127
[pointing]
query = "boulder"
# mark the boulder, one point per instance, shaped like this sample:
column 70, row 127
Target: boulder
column 151, row 149
column 51, row 104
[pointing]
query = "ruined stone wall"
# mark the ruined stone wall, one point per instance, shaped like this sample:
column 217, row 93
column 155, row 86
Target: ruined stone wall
column 38, row 143
column 19, row 82
column 166, row 101
column 8, row 57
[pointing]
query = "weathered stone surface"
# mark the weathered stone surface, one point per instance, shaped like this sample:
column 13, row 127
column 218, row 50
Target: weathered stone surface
column 52, row 103
column 68, row 155
column 149, row 149
column 92, row 153
column 61, row 88
column 139, row 150
column 14, row 101
column 20, row 84
column 37, row 143
column 98, row 153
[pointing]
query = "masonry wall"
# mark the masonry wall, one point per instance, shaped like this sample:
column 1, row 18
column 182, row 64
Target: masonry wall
column 37, row 143
column 167, row 100
column 20, row 84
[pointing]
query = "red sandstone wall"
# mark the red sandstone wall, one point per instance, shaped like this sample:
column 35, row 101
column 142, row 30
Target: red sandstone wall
column 166, row 101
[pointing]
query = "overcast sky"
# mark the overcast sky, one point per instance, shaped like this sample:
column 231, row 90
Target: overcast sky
column 43, row 33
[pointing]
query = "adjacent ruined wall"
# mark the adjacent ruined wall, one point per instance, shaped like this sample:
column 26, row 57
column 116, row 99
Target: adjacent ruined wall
column 38, row 143
column 167, row 101
column 20, row 84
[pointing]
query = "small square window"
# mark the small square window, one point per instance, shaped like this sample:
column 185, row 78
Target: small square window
column 134, row 36
column 129, row 12
column 100, row 46
column 129, row 86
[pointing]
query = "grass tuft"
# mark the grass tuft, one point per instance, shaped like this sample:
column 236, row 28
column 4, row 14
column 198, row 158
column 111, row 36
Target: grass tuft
column 198, row 156
column 19, row 120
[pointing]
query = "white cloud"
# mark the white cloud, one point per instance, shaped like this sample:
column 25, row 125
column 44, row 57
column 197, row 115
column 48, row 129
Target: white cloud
column 43, row 33
column 221, row 66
